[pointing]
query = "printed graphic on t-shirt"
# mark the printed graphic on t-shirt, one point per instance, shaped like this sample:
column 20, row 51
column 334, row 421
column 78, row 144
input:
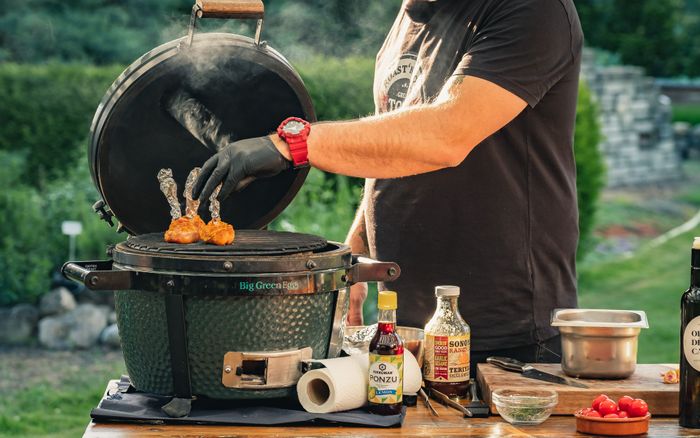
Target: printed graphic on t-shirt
column 397, row 84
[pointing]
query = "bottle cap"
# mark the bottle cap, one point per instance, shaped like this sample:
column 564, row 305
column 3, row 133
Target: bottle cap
column 386, row 300
column 696, row 243
column 446, row 291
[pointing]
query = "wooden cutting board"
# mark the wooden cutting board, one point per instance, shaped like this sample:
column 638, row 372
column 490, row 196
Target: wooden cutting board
column 645, row 383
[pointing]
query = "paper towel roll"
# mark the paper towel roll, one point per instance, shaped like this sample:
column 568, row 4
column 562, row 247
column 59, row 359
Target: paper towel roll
column 342, row 384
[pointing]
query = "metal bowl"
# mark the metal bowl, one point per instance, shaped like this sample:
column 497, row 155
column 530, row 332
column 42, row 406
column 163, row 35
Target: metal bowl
column 599, row 343
column 412, row 338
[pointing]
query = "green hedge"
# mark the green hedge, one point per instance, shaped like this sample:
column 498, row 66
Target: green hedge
column 590, row 169
column 46, row 111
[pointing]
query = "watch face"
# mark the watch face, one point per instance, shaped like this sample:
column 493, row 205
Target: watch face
column 293, row 127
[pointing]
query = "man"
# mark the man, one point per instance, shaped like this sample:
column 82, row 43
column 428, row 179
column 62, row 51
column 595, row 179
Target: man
column 469, row 166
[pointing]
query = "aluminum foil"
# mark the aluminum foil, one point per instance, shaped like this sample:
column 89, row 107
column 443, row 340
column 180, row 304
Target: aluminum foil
column 192, row 205
column 169, row 188
column 215, row 205
column 358, row 341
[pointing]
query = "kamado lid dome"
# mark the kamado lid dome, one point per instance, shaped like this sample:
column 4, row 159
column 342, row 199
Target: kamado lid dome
column 248, row 87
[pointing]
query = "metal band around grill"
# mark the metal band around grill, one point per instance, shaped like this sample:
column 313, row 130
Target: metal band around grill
column 107, row 275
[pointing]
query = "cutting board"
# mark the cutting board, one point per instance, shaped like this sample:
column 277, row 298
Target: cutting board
column 645, row 383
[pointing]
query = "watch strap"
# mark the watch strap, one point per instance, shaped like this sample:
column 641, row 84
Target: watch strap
column 298, row 147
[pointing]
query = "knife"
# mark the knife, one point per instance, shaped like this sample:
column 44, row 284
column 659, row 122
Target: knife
column 530, row 372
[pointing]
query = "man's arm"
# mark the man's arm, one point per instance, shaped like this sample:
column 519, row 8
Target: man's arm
column 357, row 240
column 417, row 139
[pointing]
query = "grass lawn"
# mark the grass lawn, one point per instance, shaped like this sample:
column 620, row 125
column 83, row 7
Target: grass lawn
column 50, row 394
column 652, row 279
column 686, row 113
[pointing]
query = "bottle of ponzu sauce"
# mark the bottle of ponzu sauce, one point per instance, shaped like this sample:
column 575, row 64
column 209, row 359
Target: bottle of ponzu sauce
column 689, row 415
column 447, row 341
column 385, row 388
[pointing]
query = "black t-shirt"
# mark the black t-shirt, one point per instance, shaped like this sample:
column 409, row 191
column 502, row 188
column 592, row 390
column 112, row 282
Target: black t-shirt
column 503, row 225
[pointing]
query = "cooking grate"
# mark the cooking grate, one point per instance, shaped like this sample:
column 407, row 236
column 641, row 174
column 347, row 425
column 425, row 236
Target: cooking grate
column 247, row 242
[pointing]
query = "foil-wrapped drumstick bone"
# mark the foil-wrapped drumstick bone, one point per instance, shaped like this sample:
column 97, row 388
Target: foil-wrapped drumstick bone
column 217, row 231
column 192, row 205
column 181, row 229
column 169, row 188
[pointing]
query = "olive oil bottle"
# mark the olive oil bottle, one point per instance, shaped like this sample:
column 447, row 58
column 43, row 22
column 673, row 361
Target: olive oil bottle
column 385, row 383
column 689, row 415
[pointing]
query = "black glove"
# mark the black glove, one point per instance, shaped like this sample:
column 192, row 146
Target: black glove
column 237, row 165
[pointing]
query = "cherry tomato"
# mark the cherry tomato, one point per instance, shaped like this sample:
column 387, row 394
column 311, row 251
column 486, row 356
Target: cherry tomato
column 593, row 413
column 597, row 400
column 622, row 414
column 607, row 407
column 625, row 402
column 638, row 408
column 611, row 416
column 585, row 411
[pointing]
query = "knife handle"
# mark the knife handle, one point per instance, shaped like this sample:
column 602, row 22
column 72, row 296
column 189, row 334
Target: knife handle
column 507, row 363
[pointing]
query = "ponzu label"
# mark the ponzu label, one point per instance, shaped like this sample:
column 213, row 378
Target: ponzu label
column 385, row 378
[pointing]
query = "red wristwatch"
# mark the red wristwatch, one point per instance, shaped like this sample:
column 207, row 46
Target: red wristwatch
column 295, row 131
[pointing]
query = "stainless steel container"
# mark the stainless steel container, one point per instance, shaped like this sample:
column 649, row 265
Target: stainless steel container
column 599, row 343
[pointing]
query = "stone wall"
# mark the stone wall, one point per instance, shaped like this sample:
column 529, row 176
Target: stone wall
column 635, row 117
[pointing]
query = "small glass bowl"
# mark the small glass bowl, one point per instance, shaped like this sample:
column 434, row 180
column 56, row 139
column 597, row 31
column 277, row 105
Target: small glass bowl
column 524, row 406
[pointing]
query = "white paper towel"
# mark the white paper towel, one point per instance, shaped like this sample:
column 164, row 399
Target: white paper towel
column 342, row 384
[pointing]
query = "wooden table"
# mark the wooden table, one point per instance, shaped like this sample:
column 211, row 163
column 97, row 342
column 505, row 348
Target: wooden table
column 418, row 422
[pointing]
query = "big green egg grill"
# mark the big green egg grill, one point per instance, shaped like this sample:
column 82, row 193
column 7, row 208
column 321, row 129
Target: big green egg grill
column 198, row 320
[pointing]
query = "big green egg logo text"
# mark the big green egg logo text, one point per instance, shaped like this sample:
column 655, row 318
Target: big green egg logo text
column 252, row 286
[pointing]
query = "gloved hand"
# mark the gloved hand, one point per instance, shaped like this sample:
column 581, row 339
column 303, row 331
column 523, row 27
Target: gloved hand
column 237, row 165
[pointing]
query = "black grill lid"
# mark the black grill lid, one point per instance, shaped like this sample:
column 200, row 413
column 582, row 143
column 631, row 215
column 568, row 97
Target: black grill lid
column 251, row 89
column 246, row 243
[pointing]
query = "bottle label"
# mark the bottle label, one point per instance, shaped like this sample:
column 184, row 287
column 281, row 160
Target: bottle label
column 691, row 343
column 446, row 358
column 385, row 378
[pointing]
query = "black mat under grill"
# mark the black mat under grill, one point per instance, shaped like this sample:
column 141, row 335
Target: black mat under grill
column 246, row 242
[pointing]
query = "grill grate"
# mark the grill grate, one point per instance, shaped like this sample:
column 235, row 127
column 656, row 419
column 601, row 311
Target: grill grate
column 247, row 242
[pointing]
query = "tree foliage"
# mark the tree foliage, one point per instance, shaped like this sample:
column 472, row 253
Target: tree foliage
column 590, row 169
column 105, row 32
column 659, row 35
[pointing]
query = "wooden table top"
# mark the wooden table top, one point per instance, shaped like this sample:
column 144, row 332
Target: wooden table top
column 418, row 422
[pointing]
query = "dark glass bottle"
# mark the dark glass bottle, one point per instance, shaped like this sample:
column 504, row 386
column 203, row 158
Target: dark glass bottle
column 385, row 382
column 689, row 397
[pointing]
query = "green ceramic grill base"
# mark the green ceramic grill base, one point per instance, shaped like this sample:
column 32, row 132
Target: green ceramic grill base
column 215, row 326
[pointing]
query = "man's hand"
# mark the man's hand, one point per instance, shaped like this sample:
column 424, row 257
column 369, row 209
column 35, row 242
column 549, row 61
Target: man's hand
column 237, row 165
column 358, row 294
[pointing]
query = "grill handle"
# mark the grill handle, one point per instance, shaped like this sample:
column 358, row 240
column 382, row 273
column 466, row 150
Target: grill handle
column 97, row 275
column 231, row 8
column 227, row 9
column 366, row 269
